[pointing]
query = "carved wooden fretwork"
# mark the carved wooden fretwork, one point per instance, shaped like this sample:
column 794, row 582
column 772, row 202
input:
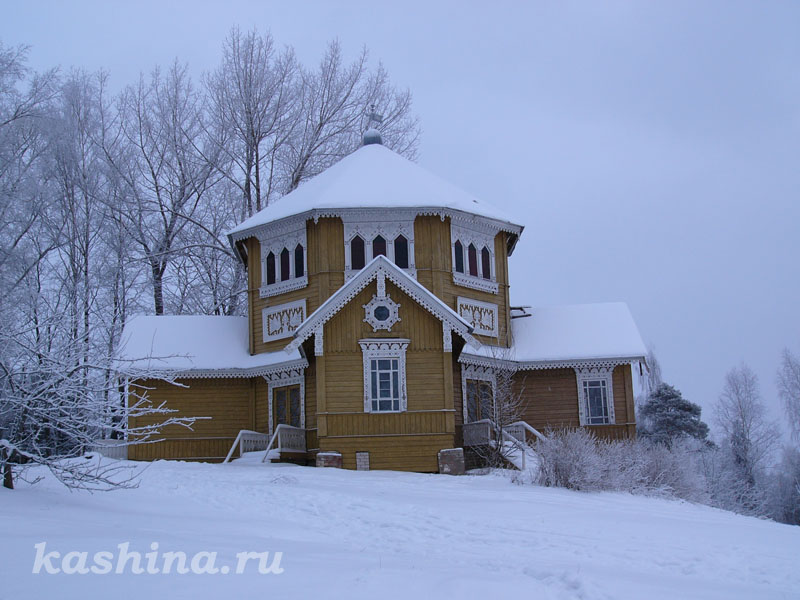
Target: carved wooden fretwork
column 478, row 373
column 285, row 234
column 283, row 379
column 369, row 223
column 385, row 348
column 318, row 341
column 595, row 374
column 481, row 235
column 481, row 315
column 281, row 321
column 381, row 312
column 447, row 338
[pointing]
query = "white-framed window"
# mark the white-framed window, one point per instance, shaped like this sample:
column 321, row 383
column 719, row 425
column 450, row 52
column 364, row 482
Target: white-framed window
column 477, row 392
column 366, row 239
column 473, row 258
column 284, row 262
column 595, row 396
column 384, row 375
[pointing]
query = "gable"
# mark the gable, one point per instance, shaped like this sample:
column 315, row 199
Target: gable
column 380, row 270
column 343, row 331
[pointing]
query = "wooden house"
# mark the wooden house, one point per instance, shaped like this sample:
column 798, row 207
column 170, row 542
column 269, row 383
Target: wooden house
column 378, row 319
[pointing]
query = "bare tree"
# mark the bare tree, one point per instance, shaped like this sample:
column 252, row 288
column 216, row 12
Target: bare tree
column 749, row 438
column 335, row 101
column 789, row 390
column 253, row 105
column 166, row 166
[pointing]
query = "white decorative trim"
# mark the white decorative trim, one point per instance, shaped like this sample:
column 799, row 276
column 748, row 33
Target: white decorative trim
column 264, row 371
column 318, row 341
column 368, row 223
column 409, row 286
column 476, row 283
column 281, row 287
column 481, row 315
column 280, row 321
column 476, row 373
column 286, row 234
column 481, row 235
column 522, row 365
column 283, row 380
column 459, row 216
column 604, row 374
column 447, row 338
column 383, row 301
column 384, row 348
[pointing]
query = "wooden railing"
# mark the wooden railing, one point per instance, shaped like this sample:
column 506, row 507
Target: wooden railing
column 248, row 441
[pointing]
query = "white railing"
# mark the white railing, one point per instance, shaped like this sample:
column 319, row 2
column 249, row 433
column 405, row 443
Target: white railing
column 286, row 437
column 482, row 433
column 248, row 441
column 111, row 448
column 477, row 433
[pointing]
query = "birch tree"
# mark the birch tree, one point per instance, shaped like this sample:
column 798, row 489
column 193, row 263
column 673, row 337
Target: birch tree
column 789, row 390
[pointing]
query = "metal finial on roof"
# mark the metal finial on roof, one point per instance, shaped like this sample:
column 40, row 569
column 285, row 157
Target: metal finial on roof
column 372, row 135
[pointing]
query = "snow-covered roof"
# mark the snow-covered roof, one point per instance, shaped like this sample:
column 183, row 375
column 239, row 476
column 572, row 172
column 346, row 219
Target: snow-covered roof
column 196, row 345
column 573, row 333
column 380, row 266
column 373, row 177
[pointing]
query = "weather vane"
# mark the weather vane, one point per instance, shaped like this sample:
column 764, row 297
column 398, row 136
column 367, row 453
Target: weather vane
column 373, row 116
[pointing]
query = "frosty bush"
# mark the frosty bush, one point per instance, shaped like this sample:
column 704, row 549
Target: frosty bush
column 575, row 459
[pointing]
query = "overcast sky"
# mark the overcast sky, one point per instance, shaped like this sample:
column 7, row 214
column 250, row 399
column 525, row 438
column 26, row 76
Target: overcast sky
column 651, row 150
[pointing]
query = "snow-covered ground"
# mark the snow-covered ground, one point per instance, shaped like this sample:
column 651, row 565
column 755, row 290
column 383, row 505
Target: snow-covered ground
column 390, row 535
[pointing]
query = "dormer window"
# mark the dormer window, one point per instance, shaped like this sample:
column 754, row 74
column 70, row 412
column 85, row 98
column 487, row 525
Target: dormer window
column 369, row 236
column 469, row 269
column 283, row 262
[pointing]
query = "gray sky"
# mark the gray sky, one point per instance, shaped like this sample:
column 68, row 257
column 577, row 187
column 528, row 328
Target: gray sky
column 651, row 149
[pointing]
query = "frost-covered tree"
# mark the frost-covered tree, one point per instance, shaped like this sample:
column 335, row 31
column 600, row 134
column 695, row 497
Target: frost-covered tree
column 667, row 416
column 749, row 440
column 789, row 390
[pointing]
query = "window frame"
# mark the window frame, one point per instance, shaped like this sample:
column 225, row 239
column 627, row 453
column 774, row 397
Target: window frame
column 596, row 378
column 378, row 350
column 467, row 248
column 288, row 279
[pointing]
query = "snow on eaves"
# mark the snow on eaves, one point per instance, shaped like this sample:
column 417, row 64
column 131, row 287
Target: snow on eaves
column 372, row 177
column 574, row 332
column 194, row 344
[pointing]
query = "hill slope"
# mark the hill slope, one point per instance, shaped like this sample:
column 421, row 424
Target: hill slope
column 390, row 535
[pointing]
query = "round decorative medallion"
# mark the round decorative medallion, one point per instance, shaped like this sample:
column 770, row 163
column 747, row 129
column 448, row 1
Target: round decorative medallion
column 381, row 312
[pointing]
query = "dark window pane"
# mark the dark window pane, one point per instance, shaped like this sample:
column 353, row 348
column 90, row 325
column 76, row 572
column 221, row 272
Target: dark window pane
column 374, row 382
column 459, row 257
column 357, row 259
column 294, row 406
column 384, row 364
column 472, row 252
column 284, row 264
column 270, row 268
column 280, row 406
column 472, row 401
column 486, row 400
column 299, row 269
column 378, row 246
column 401, row 252
column 396, row 405
column 395, row 386
column 486, row 263
column 381, row 313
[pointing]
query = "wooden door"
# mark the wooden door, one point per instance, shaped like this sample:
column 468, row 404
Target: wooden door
column 286, row 406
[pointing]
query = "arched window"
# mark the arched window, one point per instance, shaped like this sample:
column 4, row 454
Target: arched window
column 270, row 268
column 298, row 261
column 486, row 263
column 357, row 258
column 459, row 257
column 284, row 264
column 401, row 252
column 472, row 254
column 378, row 246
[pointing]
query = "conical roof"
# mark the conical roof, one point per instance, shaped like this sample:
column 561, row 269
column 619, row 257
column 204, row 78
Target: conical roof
column 373, row 177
